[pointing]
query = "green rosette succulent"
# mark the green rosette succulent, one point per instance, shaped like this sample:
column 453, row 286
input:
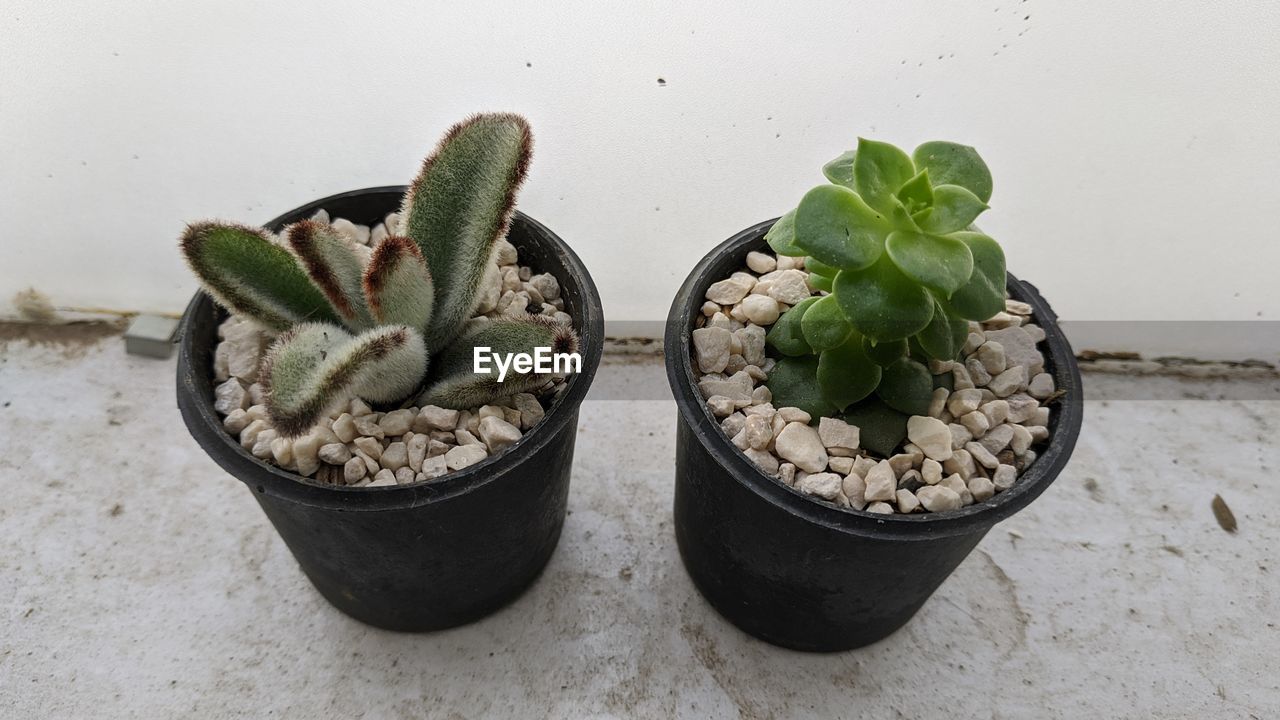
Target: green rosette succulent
column 891, row 240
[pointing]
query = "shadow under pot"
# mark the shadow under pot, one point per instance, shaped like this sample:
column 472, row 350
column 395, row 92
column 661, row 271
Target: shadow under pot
column 428, row 555
column 806, row 575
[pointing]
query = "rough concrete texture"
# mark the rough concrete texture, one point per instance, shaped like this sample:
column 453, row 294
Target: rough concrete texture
column 138, row 580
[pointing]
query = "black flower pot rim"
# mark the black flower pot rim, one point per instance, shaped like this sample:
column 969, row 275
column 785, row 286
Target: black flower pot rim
column 1064, row 426
column 270, row 479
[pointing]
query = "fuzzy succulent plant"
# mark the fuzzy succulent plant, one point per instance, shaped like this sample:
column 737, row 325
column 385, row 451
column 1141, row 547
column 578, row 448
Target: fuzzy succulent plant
column 891, row 240
column 398, row 327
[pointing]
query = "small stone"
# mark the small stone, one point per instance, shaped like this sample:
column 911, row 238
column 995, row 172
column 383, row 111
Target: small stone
column 976, row 423
column 397, row 422
column 764, row 460
column 762, row 397
column 761, row 263
column 282, row 451
column 464, row 456
column 367, row 426
column 842, row 465
column 345, row 427
column 907, row 501
column 959, row 486
column 1004, row 477
column 881, row 483
column 1021, row 440
column 236, row 421
column 936, row 498
column 435, row 418
column 737, row 388
column 880, row 508
column 437, row 447
column 824, row 485
column 712, row 348
column 977, row 373
column 931, row 435
column 801, row 445
column 1009, row 382
column 991, row 355
column 981, row 488
column 940, row 367
column 498, row 434
column 960, row 463
column 963, row 402
column 758, row 432
column 931, row 472
column 230, row 395
column 1019, row 349
column 960, row 378
column 511, row 415
column 761, row 309
column 733, row 424
column 434, row 467
column 394, row 457
column 997, row 411
column 752, row 340
column 720, row 406
column 836, row 433
column 416, row 448
column 335, row 453
column 794, row 414
column 1041, row 386
column 938, row 402
column 531, row 412
column 1022, row 407
column 546, row 284
column 354, row 470
column 306, row 453
column 371, row 465
column 862, row 465
column 902, row 462
column 789, row 286
column 383, row 478
column 404, row 476
column 504, row 253
column 1016, row 307
column 462, row 436
column 1039, row 418
column 787, row 474
column 369, row 446
column 1035, row 332
column 997, row 438
column 709, row 308
column 730, row 291
column 981, row 455
column 972, row 343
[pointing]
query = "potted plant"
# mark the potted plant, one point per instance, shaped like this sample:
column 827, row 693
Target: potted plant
column 863, row 393
column 334, row 377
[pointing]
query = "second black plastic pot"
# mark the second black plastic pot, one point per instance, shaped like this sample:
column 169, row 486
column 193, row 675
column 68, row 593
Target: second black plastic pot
column 429, row 555
column 810, row 576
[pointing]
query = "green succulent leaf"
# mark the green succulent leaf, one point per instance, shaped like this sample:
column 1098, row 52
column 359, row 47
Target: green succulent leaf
column 454, row 382
column 458, row 207
column 398, row 286
column 953, row 164
column 906, row 386
column 837, row 228
column 334, row 267
column 954, row 208
column 817, row 267
column 821, row 282
column 881, row 428
column 786, row 336
column 884, row 353
column 782, row 236
column 917, row 194
column 945, row 335
column 252, row 276
column 879, row 171
column 313, row 367
column 794, row 383
column 883, row 303
column 824, row 324
column 840, row 170
column 845, row 373
column 935, row 261
column 983, row 295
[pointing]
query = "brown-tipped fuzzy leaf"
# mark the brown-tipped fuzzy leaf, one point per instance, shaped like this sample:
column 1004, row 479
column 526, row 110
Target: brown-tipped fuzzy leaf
column 397, row 284
column 455, row 382
column 334, row 267
column 314, row 367
column 252, row 276
column 983, row 295
column 458, row 207
column 882, row 303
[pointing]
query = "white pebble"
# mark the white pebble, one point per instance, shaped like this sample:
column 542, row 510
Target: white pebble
column 824, row 485
column 334, row 453
column 800, row 444
column 880, row 508
column 498, row 434
column 711, row 347
column 761, row 262
column 881, row 483
column 464, row 456
column 1041, row 386
column 907, row 501
column 761, row 309
column 931, row 435
column 936, row 498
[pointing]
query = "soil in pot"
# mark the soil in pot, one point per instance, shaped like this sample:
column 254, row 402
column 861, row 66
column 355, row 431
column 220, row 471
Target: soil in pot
column 786, row 554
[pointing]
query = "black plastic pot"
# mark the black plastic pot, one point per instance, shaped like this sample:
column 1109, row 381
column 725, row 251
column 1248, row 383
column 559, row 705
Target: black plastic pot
column 805, row 575
column 430, row 555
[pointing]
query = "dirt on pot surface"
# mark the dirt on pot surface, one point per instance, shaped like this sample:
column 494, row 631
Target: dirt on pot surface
column 358, row 446
column 975, row 441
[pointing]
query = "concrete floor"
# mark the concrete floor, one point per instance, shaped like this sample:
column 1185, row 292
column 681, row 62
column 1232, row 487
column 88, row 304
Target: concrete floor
column 138, row 580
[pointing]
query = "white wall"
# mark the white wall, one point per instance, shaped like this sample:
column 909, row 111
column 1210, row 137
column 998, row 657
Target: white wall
column 1134, row 145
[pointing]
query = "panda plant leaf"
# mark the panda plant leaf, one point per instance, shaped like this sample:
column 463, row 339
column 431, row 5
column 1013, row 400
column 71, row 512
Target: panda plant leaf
column 392, row 329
